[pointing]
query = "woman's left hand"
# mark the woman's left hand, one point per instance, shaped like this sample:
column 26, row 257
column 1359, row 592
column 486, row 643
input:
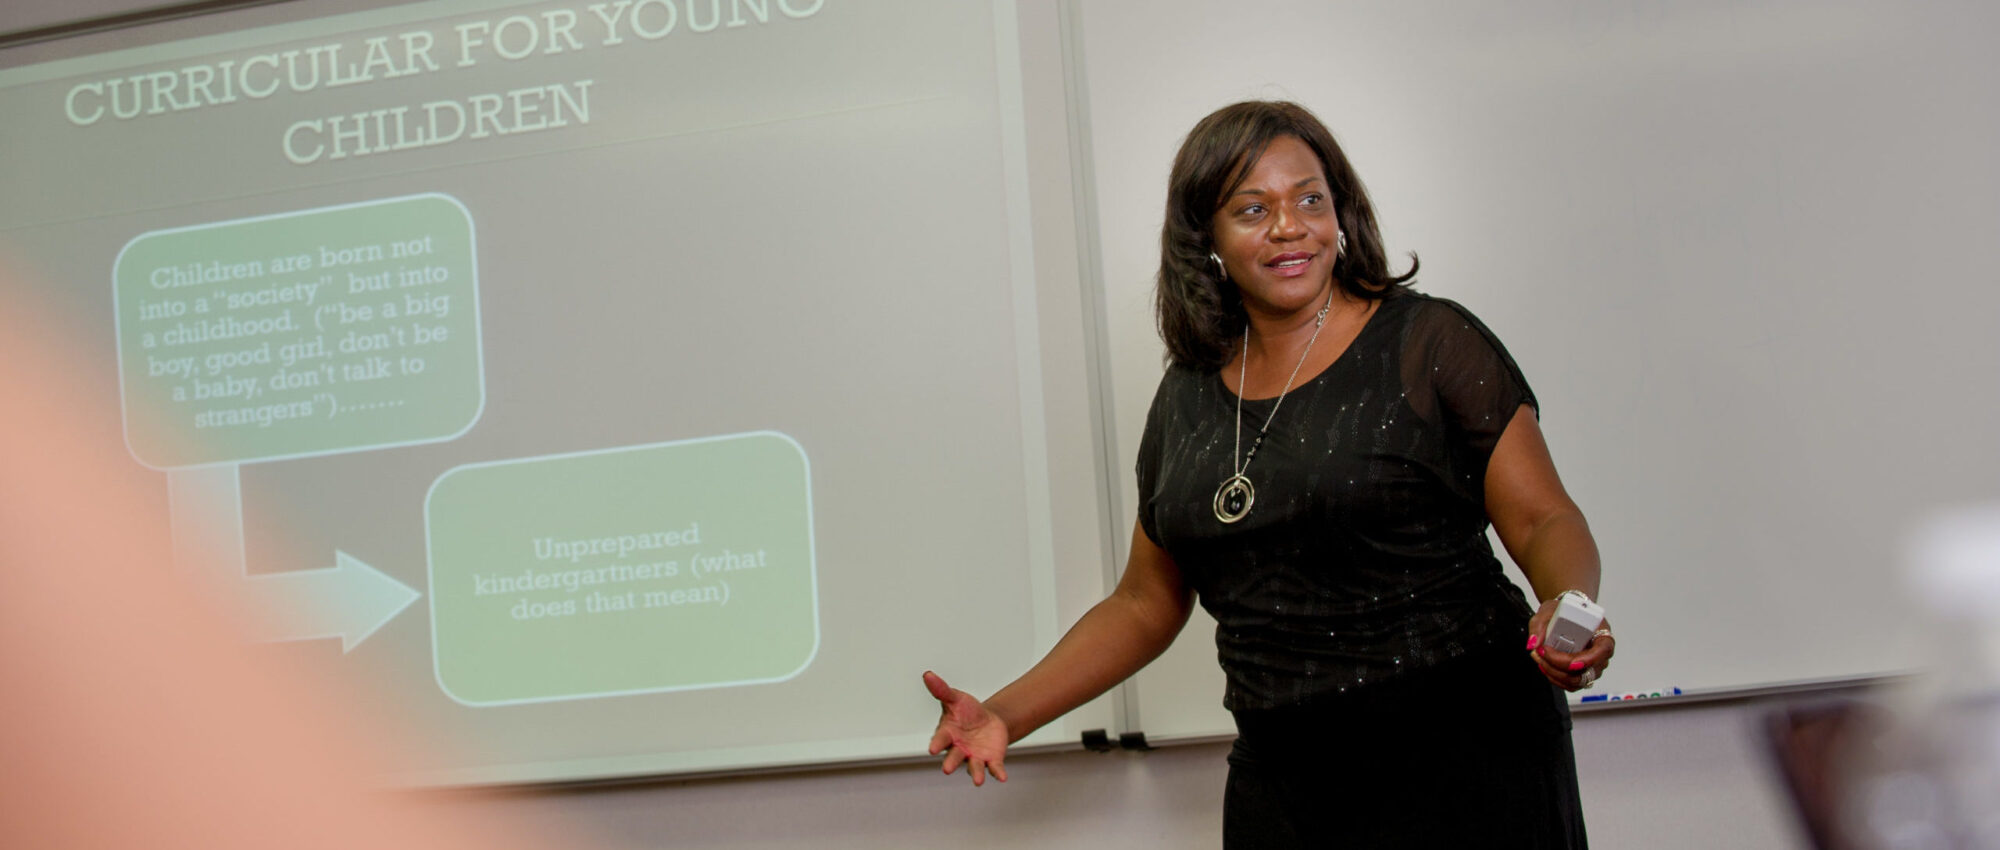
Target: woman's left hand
column 1569, row 671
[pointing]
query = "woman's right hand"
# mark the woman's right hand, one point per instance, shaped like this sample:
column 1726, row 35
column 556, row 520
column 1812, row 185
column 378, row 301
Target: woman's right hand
column 968, row 733
column 1569, row 671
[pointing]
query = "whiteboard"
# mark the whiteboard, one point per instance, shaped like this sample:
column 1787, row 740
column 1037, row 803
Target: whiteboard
column 602, row 392
column 1743, row 252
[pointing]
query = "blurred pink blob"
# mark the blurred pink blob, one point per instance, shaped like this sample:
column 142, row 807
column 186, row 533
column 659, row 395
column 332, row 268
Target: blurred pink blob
column 135, row 713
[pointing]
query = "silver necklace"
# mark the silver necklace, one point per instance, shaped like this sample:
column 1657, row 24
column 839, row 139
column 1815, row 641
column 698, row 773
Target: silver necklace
column 1234, row 498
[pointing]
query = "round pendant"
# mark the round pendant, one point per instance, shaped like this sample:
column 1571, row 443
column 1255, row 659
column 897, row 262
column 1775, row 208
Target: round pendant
column 1234, row 498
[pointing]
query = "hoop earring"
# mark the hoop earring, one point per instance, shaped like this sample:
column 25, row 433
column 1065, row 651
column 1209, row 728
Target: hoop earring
column 1342, row 250
column 1220, row 269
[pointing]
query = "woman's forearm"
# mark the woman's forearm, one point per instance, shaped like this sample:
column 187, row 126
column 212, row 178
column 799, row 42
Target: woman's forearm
column 1560, row 555
column 1115, row 638
column 1113, row 641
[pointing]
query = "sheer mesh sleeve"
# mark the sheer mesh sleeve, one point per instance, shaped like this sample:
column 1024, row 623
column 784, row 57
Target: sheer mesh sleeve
column 1461, row 377
column 1147, row 467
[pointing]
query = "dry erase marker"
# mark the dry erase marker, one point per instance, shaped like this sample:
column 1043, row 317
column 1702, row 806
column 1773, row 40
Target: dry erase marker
column 1663, row 692
column 1633, row 697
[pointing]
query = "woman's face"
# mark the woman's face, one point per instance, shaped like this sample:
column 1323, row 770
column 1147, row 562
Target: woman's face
column 1277, row 233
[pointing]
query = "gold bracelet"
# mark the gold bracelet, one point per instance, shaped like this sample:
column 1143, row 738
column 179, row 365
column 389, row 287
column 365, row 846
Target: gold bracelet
column 1586, row 596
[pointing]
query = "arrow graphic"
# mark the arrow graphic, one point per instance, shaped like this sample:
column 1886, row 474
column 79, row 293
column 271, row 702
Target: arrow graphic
column 349, row 600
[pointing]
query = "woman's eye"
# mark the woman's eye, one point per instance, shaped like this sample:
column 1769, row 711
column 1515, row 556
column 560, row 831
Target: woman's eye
column 1312, row 200
column 1253, row 209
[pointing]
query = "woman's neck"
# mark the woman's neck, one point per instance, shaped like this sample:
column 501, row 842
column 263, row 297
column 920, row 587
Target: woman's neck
column 1282, row 335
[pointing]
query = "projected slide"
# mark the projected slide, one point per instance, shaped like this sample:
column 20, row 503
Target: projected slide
column 305, row 333
column 546, row 571
column 598, row 388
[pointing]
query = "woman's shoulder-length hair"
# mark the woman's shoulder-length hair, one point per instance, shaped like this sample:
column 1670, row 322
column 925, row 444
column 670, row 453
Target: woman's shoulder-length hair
column 1199, row 311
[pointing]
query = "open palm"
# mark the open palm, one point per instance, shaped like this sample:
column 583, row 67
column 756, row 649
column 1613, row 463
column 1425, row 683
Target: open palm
column 967, row 733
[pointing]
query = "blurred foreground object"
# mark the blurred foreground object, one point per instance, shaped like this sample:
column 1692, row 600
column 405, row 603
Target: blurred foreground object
column 1920, row 771
column 136, row 716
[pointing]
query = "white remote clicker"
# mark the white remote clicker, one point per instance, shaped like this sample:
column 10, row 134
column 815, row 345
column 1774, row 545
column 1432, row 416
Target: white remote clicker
column 1576, row 619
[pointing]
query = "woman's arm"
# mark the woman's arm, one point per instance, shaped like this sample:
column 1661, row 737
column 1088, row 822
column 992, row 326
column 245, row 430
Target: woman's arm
column 1114, row 639
column 1546, row 535
column 1118, row 636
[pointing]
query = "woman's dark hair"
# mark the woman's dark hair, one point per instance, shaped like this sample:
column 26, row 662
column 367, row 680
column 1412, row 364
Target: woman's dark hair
column 1199, row 311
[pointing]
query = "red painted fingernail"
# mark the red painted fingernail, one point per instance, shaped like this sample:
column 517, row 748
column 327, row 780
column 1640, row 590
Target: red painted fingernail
column 1576, row 665
column 1534, row 641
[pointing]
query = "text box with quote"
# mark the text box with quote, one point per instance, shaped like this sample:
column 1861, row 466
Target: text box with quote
column 632, row 570
column 304, row 333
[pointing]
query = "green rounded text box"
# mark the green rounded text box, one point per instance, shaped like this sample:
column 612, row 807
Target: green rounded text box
column 305, row 333
column 632, row 570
